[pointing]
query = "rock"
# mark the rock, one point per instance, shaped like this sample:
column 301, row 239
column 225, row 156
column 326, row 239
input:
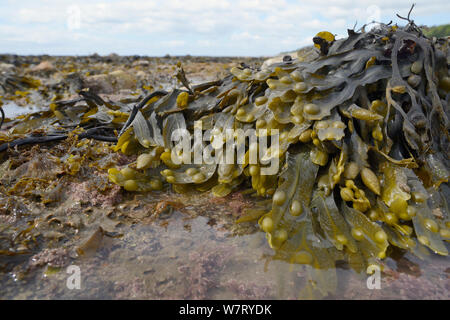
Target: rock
column 305, row 54
column 53, row 257
column 141, row 63
column 141, row 74
column 123, row 80
column 110, row 83
column 75, row 82
column 99, row 83
column 112, row 57
column 44, row 66
column 7, row 68
column 53, row 235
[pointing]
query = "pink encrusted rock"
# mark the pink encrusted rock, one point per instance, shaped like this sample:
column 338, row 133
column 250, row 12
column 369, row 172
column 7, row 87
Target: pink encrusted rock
column 56, row 258
column 248, row 289
column 84, row 192
column 237, row 204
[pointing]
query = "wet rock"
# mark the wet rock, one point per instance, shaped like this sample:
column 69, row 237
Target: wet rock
column 74, row 222
column 7, row 68
column 90, row 246
column 248, row 289
column 237, row 204
column 12, row 208
column 203, row 269
column 134, row 289
column 86, row 192
column 56, row 258
column 53, row 235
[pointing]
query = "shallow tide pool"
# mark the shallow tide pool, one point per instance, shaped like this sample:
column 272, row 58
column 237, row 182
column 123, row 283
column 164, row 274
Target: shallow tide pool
column 195, row 259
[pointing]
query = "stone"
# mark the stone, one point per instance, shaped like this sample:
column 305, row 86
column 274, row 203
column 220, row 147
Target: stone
column 44, row 66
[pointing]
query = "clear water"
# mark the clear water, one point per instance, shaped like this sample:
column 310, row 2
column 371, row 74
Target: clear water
column 190, row 258
column 12, row 110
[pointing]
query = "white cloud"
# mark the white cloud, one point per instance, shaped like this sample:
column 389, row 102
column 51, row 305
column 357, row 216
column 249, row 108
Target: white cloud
column 205, row 43
column 256, row 27
column 245, row 36
column 174, row 43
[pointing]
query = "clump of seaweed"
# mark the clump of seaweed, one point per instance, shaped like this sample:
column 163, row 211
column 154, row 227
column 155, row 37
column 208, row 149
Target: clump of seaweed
column 363, row 144
column 363, row 137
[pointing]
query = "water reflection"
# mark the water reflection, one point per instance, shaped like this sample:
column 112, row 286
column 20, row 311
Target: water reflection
column 12, row 110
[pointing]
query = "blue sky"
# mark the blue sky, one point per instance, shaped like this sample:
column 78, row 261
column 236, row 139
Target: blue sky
column 196, row 27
